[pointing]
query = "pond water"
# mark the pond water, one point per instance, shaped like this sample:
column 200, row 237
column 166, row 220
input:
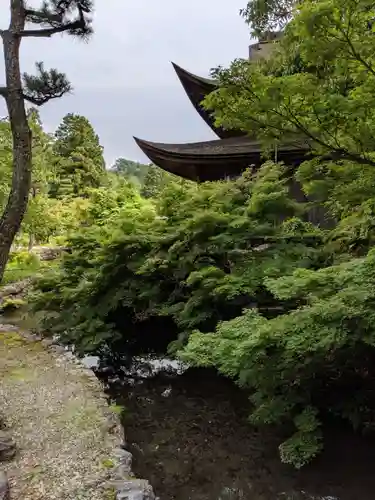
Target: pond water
column 190, row 437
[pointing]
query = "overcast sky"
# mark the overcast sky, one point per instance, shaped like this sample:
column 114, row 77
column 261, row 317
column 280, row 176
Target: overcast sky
column 123, row 80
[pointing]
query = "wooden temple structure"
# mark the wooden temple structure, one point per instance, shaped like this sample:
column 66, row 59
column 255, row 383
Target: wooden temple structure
column 227, row 156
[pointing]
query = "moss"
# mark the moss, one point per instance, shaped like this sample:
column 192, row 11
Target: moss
column 12, row 340
column 21, row 374
column 10, row 304
column 110, row 494
column 117, row 409
column 107, row 463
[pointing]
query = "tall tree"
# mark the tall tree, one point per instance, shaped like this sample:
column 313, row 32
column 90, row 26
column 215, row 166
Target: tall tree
column 268, row 15
column 42, row 176
column 80, row 162
column 53, row 16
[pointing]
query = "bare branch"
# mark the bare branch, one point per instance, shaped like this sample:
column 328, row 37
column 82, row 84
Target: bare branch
column 3, row 91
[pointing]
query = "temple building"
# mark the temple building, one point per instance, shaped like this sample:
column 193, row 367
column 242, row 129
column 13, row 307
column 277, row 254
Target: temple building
column 227, row 156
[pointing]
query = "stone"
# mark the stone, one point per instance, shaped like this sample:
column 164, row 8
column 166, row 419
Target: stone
column 17, row 289
column 7, row 328
column 136, row 489
column 14, row 292
column 7, row 446
column 49, row 253
column 47, row 342
column 4, row 487
column 124, row 457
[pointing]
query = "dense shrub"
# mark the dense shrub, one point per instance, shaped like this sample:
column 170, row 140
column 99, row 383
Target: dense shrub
column 319, row 356
column 188, row 269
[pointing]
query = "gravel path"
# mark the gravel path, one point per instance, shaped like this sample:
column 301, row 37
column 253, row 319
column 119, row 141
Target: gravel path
column 55, row 412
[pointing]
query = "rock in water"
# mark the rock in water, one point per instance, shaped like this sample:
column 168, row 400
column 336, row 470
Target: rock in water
column 7, row 447
column 4, row 487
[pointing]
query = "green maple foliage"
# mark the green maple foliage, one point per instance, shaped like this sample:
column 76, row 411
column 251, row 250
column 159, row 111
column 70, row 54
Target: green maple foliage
column 268, row 15
column 329, row 103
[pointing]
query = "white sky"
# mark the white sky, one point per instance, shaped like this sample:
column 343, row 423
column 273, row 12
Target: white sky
column 123, row 80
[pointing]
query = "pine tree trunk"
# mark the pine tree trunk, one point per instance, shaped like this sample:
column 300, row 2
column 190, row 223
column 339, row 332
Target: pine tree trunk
column 11, row 219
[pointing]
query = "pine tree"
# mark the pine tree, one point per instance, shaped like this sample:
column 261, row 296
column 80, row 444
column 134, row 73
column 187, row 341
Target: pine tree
column 42, row 165
column 80, row 162
column 53, row 16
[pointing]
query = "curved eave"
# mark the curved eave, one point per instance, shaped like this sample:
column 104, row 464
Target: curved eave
column 197, row 88
column 213, row 160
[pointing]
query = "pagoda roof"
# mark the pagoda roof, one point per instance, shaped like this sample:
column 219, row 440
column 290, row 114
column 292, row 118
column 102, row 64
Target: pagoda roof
column 197, row 88
column 218, row 159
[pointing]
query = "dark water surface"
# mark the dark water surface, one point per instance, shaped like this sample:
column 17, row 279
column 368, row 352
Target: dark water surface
column 191, row 439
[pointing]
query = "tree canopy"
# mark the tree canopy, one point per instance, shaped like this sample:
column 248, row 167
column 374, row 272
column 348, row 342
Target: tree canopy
column 265, row 16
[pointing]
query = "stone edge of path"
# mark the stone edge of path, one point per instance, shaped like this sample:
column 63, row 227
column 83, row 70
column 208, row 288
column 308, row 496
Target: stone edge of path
column 122, row 480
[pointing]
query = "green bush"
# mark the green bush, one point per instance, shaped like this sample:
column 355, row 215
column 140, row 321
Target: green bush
column 9, row 304
column 21, row 265
column 307, row 360
column 173, row 272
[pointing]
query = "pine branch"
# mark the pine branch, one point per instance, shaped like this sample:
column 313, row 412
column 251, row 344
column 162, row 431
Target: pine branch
column 39, row 101
column 59, row 16
column 44, row 86
column 42, row 16
column 48, row 32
